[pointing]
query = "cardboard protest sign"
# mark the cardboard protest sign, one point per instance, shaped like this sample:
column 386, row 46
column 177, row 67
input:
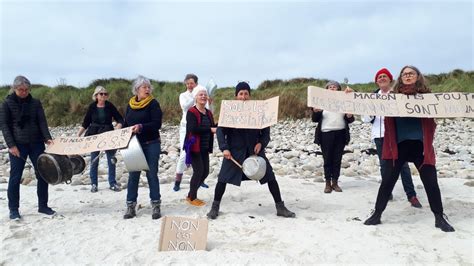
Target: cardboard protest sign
column 109, row 140
column 255, row 114
column 450, row 104
column 183, row 234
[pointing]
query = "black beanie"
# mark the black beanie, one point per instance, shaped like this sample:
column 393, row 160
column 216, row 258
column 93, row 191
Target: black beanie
column 242, row 86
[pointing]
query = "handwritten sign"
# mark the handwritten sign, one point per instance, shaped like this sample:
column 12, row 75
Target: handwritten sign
column 109, row 140
column 451, row 104
column 183, row 234
column 255, row 114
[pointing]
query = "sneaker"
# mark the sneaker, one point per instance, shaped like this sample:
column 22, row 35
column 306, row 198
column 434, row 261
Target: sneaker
column 15, row 215
column 94, row 188
column 46, row 210
column 196, row 202
column 115, row 188
column 204, row 185
column 415, row 202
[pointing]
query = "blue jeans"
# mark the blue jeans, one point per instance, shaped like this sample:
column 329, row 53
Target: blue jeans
column 405, row 173
column 152, row 154
column 17, row 165
column 93, row 171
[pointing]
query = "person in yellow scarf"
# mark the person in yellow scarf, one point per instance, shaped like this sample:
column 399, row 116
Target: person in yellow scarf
column 144, row 115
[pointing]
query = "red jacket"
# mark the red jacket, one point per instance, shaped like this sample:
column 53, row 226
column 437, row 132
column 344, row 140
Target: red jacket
column 390, row 148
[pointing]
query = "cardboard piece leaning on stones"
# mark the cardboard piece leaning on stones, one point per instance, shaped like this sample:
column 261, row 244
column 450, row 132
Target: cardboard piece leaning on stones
column 450, row 104
column 183, row 234
column 109, row 140
column 256, row 114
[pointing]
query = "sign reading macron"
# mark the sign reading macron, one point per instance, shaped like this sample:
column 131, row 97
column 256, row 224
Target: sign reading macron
column 450, row 104
column 255, row 114
column 109, row 140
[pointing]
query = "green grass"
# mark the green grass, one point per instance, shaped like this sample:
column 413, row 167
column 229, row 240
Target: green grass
column 66, row 105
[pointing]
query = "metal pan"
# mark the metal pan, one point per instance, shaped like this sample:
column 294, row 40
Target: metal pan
column 133, row 156
column 254, row 167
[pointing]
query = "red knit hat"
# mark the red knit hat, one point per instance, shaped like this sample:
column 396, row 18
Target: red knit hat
column 384, row 71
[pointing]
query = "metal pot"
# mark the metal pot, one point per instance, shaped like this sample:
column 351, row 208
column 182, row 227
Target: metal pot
column 55, row 168
column 78, row 164
column 133, row 156
column 254, row 167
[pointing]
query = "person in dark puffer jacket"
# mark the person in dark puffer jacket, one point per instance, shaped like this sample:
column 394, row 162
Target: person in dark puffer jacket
column 25, row 131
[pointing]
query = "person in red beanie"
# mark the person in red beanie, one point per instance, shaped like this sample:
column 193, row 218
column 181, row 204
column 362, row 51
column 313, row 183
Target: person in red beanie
column 384, row 79
column 410, row 139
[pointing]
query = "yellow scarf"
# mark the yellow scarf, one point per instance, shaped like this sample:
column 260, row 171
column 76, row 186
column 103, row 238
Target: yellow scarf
column 134, row 104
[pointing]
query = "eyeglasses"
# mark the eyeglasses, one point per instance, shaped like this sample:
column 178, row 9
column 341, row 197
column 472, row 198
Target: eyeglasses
column 408, row 74
column 23, row 89
column 244, row 81
column 103, row 93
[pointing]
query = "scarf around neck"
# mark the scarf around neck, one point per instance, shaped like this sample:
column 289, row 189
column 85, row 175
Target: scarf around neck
column 408, row 89
column 134, row 104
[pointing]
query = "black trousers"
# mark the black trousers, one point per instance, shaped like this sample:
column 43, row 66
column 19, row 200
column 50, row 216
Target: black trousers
column 410, row 151
column 200, row 164
column 332, row 147
column 272, row 186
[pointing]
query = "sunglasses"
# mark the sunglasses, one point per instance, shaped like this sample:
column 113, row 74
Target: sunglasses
column 103, row 93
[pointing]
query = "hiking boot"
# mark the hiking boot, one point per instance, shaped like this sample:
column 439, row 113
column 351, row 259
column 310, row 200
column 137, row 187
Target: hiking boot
column 156, row 214
column 214, row 212
column 130, row 213
column 335, row 186
column 15, row 215
column 115, row 187
column 328, row 188
column 442, row 223
column 415, row 202
column 195, row 202
column 94, row 188
column 46, row 210
column 283, row 211
column 374, row 219
column 204, row 185
column 176, row 185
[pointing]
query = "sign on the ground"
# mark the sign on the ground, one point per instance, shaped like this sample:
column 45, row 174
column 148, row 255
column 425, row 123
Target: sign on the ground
column 183, row 234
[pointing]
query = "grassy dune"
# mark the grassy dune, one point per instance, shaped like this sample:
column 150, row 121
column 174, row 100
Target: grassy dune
column 66, row 105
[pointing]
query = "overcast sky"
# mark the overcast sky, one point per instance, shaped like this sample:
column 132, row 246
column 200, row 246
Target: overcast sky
column 77, row 42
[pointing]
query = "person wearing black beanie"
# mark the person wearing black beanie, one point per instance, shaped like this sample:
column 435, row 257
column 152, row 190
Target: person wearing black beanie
column 239, row 144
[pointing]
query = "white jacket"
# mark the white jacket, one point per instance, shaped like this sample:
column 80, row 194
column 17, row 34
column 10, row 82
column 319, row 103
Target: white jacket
column 378, row 128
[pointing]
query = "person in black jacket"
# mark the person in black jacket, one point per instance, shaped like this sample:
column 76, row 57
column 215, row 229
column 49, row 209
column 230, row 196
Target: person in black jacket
column 200, row 129
column 332, row 134
column 25, row 131
column 240, row 143
column 98, row 120
column 144, row 115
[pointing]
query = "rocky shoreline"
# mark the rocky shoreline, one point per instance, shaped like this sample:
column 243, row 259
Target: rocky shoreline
column 292, row 153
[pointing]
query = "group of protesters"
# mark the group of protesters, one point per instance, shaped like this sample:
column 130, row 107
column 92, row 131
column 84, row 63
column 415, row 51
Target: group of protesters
column 398, row 140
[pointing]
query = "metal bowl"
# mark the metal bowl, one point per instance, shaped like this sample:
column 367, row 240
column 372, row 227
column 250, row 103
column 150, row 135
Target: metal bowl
column 133, row 156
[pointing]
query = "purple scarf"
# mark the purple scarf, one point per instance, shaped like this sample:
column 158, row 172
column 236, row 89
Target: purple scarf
column 187, row 148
